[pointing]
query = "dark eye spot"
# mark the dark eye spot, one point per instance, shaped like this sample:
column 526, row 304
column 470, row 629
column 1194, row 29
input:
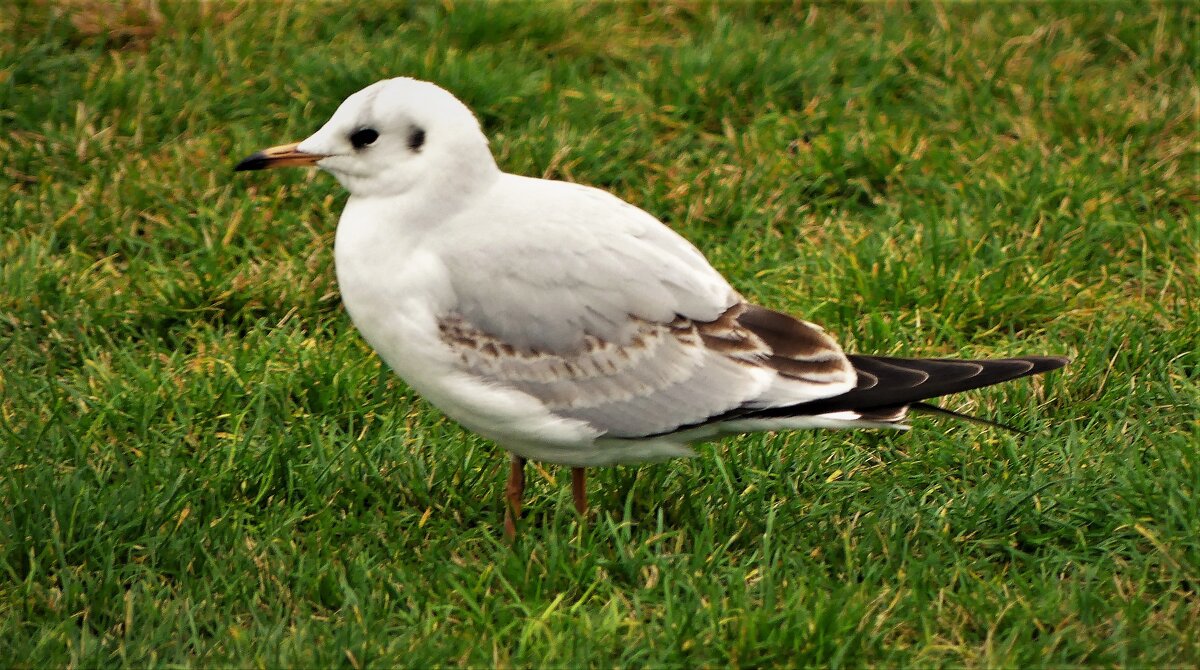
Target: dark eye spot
column 361, row 138
column 416, row 139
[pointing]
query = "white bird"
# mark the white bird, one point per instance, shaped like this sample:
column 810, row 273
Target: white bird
column 563, row 323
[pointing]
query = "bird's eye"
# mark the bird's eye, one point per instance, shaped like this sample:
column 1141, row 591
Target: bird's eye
column 416, row 139
column 362, row 138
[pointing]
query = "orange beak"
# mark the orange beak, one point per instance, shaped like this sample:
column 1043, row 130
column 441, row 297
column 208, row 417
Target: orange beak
column 284, row 155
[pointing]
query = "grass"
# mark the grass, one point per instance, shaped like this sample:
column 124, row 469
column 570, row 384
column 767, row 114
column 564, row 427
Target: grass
column 202, row 464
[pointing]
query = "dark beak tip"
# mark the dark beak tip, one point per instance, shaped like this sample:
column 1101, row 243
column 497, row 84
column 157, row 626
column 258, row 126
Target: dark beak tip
column 256, row 161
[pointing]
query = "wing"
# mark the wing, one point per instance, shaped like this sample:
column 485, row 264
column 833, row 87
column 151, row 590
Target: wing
column 558, row 261
column 605, row 315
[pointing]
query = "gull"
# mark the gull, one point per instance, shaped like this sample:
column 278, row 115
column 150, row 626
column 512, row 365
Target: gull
column 565, row 324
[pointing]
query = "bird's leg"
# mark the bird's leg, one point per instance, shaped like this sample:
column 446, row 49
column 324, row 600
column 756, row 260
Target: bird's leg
column 513, row 494
column 579, row 489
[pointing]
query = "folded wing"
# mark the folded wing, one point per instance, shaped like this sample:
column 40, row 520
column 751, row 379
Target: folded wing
column 620, row 322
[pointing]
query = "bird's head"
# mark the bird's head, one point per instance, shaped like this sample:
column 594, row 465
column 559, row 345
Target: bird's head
column 389, row 138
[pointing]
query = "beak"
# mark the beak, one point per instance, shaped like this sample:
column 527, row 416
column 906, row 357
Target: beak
column 283, row 155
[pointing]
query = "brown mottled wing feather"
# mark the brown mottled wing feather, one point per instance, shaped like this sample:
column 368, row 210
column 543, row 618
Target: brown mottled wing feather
column 798, row 349
column 664, row 376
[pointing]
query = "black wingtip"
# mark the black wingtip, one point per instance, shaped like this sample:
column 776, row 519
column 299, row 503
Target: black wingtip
column 256, row 161
column 1048, row 362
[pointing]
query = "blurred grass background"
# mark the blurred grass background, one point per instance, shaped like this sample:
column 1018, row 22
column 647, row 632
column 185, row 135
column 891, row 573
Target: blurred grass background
column 201, row 463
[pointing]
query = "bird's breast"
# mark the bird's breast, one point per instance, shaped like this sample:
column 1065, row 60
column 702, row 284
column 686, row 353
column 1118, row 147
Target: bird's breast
column 393, row 289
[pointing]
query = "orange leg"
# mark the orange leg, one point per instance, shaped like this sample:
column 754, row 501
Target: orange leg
column 579, row 489
column 514, row 493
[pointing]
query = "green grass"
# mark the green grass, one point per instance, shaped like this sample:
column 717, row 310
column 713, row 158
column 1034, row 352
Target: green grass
column 202, row 464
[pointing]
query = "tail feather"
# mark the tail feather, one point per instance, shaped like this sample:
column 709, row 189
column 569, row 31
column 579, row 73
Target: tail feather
column 934, row 409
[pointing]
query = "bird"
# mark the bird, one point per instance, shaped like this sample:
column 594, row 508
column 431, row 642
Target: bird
column 564, row 323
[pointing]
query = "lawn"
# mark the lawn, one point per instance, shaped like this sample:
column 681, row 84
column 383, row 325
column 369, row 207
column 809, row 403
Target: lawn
column 203, row 464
